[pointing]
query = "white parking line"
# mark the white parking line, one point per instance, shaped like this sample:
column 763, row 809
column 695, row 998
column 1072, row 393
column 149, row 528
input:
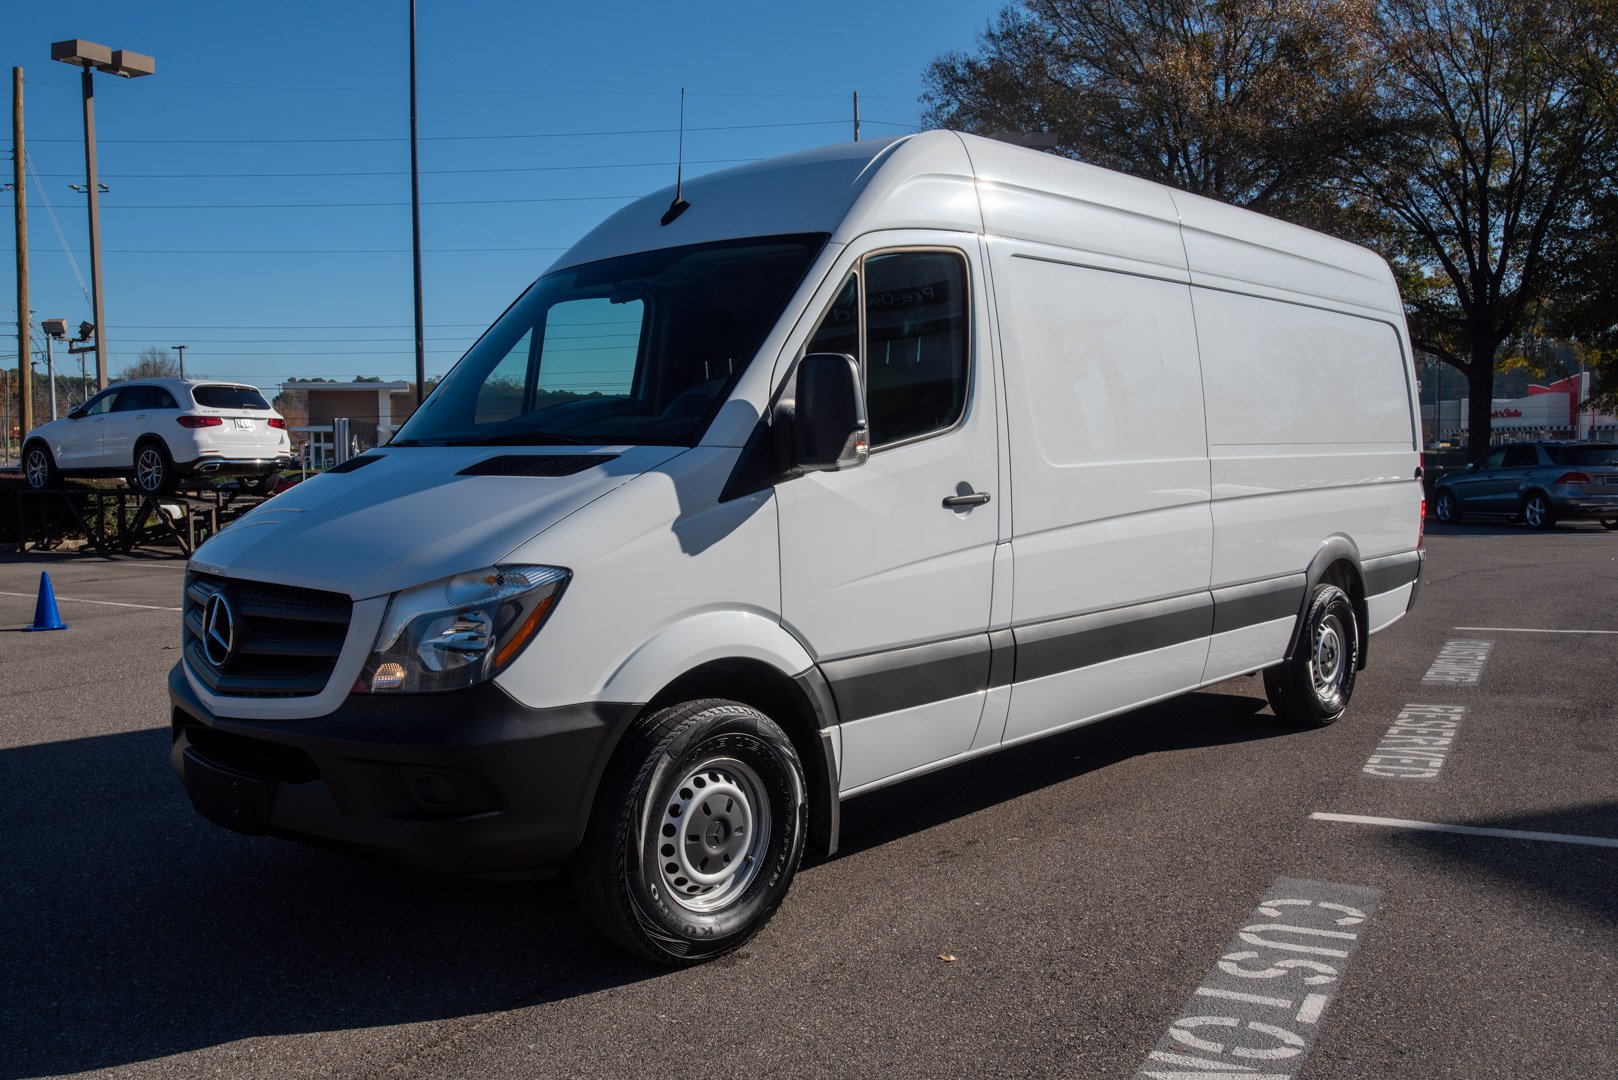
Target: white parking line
column 1468, row 830
column 107, row 603
column 1532, row 630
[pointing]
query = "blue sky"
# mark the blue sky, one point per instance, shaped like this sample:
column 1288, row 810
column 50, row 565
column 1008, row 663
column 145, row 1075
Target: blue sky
column 261, row 103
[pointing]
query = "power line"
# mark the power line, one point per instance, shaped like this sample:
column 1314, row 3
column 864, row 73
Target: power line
column 541, row 92
column 399, row 172
column 297, row 251
column 463, row 138
column 351, row 205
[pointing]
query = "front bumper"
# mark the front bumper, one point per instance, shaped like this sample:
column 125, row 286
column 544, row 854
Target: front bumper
column 470, row 782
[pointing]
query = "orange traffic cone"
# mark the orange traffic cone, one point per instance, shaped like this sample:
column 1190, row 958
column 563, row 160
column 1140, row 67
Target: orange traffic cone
column 46, row 617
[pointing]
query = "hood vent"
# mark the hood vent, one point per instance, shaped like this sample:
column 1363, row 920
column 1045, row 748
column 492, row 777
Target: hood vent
column 536, row 464
column 355, row 463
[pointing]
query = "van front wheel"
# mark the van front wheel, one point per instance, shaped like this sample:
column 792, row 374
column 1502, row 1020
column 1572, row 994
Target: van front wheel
column 1312, row 689
column 697, row 832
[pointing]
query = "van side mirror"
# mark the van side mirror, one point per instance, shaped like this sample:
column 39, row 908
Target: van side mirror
column 76, row 413
column 1471, row 466
column 829, row 427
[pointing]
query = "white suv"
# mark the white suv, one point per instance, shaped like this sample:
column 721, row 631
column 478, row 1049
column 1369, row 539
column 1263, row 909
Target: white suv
column 156, row 431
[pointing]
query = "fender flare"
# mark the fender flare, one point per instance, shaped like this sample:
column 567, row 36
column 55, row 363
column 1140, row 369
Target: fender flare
column 1332, row 550
column 728, row 634
column 714, row 639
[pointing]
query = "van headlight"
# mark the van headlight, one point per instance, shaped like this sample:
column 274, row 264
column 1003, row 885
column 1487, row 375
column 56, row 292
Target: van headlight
column 458, row 632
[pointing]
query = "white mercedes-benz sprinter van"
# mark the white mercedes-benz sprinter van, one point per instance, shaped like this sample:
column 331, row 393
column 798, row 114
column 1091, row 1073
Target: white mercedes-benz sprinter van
column 842, row 467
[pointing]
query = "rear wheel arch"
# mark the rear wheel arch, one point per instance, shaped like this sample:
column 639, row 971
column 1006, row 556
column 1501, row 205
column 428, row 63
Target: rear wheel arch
column 1337, row 561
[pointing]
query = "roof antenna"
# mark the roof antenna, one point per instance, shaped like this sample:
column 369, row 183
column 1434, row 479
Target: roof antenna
column 679, row 205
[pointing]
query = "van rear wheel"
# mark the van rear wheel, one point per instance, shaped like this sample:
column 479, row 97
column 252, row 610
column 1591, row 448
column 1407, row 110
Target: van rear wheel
column 1312, row 689
column 697, row 832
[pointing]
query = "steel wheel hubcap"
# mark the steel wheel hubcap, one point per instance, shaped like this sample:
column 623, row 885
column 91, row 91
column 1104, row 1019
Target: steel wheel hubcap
column 1326, row 665
column 714, row 829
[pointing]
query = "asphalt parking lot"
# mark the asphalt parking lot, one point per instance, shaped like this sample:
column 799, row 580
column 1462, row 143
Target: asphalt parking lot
column 1092, row 888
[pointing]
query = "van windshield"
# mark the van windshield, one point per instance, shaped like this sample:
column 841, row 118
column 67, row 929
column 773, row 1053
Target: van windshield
column 637, row 349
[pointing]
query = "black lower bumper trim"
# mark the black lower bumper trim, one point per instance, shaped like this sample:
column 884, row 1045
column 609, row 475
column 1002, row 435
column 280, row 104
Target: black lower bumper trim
column 471, row 782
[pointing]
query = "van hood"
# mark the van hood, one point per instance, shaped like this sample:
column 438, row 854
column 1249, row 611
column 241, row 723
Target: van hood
column 410, row 515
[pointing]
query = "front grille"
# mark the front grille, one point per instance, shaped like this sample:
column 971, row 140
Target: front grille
column 284, row 641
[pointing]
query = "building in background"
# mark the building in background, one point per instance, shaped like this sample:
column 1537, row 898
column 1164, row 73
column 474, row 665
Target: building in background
column 1559, row 410
column 370, row 411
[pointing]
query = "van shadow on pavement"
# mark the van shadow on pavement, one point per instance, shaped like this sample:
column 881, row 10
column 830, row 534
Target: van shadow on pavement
column 138, row 930
column 135, row 929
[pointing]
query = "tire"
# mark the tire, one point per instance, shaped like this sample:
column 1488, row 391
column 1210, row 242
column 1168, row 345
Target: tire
column 154, row 469
column 1445, row 508
column 260, row 485
column 1537, row 512
column 39, row 468
column 1610, row 524
column 1313, row 688
column 633, row 873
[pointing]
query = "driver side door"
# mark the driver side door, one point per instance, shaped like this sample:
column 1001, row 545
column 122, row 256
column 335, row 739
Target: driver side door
column 81, row 445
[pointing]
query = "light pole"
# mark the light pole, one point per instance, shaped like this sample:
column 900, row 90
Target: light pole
column 55, row 330
column 181, row 350
column 415, row 216
column 129, row 65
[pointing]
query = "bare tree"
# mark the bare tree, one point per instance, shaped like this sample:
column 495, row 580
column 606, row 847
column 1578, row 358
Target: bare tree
column 1255, row 102
column 154, row 363
column 1505, row 153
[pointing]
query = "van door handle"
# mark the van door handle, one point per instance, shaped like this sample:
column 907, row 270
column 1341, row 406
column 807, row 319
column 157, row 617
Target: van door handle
column 966, row 498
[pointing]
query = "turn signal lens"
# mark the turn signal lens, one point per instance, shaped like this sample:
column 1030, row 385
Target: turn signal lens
column 199, row 421
column 387, row 677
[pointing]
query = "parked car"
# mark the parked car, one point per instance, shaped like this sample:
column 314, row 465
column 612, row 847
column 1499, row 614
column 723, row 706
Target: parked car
column 156, row 432
column 847, row 466
column 1539, row 482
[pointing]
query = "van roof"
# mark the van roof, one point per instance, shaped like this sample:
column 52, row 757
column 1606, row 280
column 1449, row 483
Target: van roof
column 953, row 181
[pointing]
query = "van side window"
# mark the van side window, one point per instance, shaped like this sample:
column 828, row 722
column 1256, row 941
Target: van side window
column 590, row 348
column 1492, row 459
column 916, row 345
column 839, row 329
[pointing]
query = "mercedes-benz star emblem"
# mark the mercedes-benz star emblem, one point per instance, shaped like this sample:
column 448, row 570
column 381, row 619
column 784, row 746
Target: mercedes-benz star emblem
column 218, row 630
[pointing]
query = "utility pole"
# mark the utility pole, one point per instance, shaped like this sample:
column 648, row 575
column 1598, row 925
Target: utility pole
column 856, row 116
column 25, row 367
column 181, row 350
column 415, row 216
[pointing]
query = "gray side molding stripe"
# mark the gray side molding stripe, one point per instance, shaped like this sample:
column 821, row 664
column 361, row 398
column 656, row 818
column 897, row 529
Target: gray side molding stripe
column 1257, row 602
column 1049, row 648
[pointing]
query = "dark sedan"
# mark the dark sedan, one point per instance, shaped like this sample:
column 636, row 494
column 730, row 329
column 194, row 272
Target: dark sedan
column 1539, row 482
